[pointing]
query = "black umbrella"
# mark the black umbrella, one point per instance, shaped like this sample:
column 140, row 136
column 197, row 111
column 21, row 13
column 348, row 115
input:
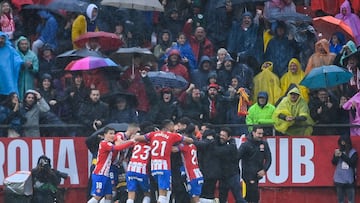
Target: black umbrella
column 295, row 17
column 68, row 5
column 167, row 79
column 111, row 98
column 65, row 58
column 125, row 56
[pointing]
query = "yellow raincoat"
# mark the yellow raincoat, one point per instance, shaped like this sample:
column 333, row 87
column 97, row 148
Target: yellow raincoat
column 294, row 78
column 267, row 81
column 294, row 109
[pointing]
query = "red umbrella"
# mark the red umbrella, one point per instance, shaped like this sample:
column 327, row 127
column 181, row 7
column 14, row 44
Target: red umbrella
column 107, row 41
column 328, row 25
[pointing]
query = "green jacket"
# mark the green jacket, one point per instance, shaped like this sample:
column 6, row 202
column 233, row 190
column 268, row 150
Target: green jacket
column 258, row 115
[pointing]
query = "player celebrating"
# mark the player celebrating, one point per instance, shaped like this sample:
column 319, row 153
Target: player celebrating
column 101, row 183
column 161, row 143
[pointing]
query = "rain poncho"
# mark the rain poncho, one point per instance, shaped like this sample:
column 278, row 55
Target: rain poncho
column 351, row 19
column 352, row 48
column 27, row 75
column 267, row 81
column 294, row 78
column 294, row 109
column 320, row 59
column 354, row 119
column 9, row 68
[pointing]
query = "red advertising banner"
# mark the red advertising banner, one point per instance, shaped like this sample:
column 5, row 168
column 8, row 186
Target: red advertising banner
column 296, row 161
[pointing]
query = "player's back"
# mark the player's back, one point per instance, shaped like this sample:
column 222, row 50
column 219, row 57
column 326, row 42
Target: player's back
column 140, row 158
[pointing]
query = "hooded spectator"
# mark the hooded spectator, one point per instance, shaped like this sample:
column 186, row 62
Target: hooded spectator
column 47, row 31
column 351, row 19
column 173, row 65
column 321, row 57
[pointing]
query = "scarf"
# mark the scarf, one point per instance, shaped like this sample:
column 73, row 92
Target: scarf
column 243, row 102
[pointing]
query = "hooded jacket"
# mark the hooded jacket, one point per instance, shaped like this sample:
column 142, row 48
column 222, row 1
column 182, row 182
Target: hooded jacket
column 351, row 19
column 260, row 114
column 318, row 58
column 48, row 31
column 27, row 75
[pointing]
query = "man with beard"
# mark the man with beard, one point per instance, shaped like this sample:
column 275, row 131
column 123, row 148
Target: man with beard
column 214, row 105
column 92, row 113
column 191, row 103
column 230, row 172
column 9, row 69
column 255, row 158
column 33, row 105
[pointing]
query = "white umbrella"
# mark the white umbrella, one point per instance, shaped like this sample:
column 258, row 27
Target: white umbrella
column 142, row 5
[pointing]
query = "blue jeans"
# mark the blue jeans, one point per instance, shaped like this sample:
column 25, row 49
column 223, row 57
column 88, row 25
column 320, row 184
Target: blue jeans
column 231, row 183
column 347, row 190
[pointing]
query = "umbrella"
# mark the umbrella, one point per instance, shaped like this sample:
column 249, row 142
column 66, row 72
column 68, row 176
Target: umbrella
column 325, row 77
column 68, row 5
column 90, row 63
column 328, row 25
column 107, row 41
column 111, row 97
column 167, row 79
column 125, row 56
column 65, row 58
column 142, row 5
column 294, row 17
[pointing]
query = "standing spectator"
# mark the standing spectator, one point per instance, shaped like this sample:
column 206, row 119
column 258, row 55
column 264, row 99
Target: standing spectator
column 163, row 46
column 85, row 23
column 293, row 76
column 353, row 108
column 122, row 110
column 11, row 114
column 173, row 22
column 47, row 31
column 92, row 113
column 9, row 69
column 191, row 103
column 226, row 150
column 200, row 76
column 343, row 115
column 7, row 21
column 213, row 102
column 255, row 158
column 101, row 183
column 161, row 143
column 345, row 159
column 30, row 66
column 277, row 7
column 323, row 110
column 245, row 39
column 321, row 57
column 219, row 59
column 47, row 63
column 352, row 64
column 337, row 42
column 199, row 43
column 261, row 113
column 267, row 81
column 351, row 19
column 280, row 49
column 33, row 105
column 173, row 65
column 292, row 115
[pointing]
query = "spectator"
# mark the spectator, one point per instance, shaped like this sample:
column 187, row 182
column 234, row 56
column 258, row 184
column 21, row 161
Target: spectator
column 293, row 76
column 267, row 81
column 7, row 20
column 122, row 110
column 47, row 31
column 219, row 60
column 348, row 48
column 47, row 63
column 191, row 103
column 345, row 159
column 173, row 65
column 33, row 105
column 11, row 115
column 245, row 39
column 173, row 22
column 352, row 64
column 351, row 19
column 120, row 32
column 92, row 113
column 321, row 57
column 9, row 69
column 230, row 173
column 261, row 113
column 280, row 49
column 83, row 24
column 163, row 46
column 30, row 66
column 353, row 106
column 255, row 158
column 186, row 52
column 337, row 42
column 343, row 115
column 323, row 110
column 213, row 104
column 199, row 43
column 200, row 76
column 292, row 115
column 274, row 8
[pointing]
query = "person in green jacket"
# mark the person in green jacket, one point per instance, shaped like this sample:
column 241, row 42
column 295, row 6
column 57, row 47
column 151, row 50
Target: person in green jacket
column 261, row 113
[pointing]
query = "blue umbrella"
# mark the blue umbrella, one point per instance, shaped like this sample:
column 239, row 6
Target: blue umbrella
column 325, row 77
column 167, row 79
